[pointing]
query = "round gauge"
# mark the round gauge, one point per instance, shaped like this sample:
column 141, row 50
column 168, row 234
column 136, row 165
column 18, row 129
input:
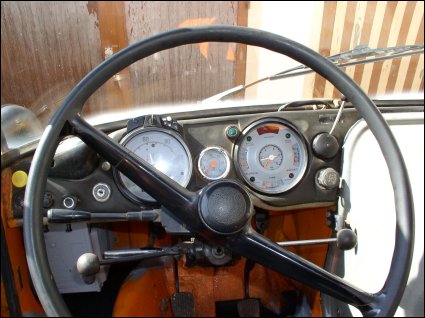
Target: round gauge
column 213, row 163
column 163, row 149
column 271, row 156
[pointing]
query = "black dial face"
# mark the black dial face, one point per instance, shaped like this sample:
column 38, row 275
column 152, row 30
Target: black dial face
column 271, row 156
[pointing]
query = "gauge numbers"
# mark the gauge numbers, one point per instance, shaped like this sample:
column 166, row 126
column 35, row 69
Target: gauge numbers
column 163, row 149
column 271, row 156
column 213, row 163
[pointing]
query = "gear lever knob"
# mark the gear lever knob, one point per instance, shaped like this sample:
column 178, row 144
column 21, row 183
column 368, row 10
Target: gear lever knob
column 88, row 266
column 346, row 239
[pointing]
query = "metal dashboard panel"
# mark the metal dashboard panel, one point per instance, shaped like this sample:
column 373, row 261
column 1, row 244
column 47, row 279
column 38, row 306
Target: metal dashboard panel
column 63, row 248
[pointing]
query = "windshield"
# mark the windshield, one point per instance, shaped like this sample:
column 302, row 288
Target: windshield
column 48, row 47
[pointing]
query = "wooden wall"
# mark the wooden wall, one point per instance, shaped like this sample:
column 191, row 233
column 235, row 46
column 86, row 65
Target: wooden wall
column 48, row 47
column 377, row 24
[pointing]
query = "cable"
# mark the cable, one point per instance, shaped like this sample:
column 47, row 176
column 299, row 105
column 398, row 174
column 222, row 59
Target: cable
column 338, row 116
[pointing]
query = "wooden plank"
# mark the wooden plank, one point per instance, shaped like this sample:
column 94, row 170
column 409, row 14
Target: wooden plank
column 413, row 64
column 417, row 83
column 393, row 38
column 187, row 73
column 115, row 93
column 47, row 48
column 316, row 26
column 346, row 35
column 412, row 37
column 325, row 42
column 365, row 30
column 240, row 54
column 382, row 42
column 373, row 42
column 337, row 36
column 359, row 22
column 401, row 40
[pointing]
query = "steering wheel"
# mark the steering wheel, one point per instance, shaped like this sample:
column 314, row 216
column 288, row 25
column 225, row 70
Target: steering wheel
column 222, row 210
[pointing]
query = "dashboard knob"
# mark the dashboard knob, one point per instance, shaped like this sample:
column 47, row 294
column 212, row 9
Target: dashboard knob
column 325, row 146
column 328, row 178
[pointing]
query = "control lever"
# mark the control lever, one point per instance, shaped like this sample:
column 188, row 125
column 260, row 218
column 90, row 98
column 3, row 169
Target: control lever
column 70, row 216
column 88, row 264
column 346, row 239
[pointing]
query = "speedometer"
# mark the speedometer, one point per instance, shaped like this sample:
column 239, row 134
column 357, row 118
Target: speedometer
column 163, row 149
column 271, row 156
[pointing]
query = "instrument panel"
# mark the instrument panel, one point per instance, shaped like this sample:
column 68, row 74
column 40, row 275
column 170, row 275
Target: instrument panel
column 196, row 150
column 270, row 155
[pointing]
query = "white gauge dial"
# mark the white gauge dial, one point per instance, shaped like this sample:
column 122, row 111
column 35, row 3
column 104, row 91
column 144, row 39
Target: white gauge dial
column 271, row 156
column 163, row 149
column 214, row 163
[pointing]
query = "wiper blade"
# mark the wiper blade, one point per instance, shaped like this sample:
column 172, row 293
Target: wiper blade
column 363, row 51
column 361, row 54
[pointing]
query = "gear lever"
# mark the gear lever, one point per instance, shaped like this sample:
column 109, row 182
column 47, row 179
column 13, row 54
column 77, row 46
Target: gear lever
column 88, row 264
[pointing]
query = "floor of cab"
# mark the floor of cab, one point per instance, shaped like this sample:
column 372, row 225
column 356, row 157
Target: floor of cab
column 145, row 289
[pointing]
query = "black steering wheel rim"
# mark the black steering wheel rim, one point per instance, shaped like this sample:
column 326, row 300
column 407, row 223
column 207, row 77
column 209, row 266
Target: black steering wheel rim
column 384, row 303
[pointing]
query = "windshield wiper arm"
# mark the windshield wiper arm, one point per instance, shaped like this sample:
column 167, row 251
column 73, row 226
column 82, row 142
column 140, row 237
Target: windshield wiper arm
column 361, row 54
column 363, row 51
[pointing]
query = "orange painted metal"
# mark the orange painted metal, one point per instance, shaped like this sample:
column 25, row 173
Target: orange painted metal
column 148, row 294
column 14, row 239
column 4, row 305
column 145, row 295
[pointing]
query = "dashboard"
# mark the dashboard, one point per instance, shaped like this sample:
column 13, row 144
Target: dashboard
column 286, row 160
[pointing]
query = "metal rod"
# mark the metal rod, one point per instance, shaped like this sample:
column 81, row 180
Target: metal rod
column 71, row 216
column 307, row 242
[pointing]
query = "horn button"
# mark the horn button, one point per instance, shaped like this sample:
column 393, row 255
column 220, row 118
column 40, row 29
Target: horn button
column 225, row 207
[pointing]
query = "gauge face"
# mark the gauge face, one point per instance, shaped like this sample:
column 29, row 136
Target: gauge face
column 213, row 163
column 271, row 156
column 163, row 149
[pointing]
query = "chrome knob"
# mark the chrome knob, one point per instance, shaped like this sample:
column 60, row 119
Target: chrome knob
column 328, row 178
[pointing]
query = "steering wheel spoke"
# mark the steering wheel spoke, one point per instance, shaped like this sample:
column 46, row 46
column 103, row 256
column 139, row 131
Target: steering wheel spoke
column 260, row 249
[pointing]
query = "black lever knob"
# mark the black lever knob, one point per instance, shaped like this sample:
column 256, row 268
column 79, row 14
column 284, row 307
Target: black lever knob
column 325, row 146
column 346, row 239
column 88, row 266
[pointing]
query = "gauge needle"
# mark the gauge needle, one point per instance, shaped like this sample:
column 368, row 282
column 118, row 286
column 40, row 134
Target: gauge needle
column 267, row 163
column 271, row 157
column 212, row 165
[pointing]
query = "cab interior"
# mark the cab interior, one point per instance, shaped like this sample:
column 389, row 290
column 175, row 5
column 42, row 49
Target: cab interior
column 162, row 159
